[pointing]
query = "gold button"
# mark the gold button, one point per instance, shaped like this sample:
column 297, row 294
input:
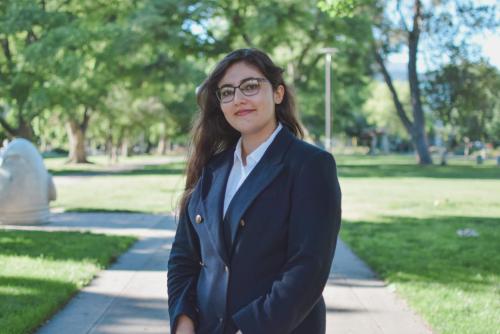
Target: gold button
column 242, row 223
column 199, row 219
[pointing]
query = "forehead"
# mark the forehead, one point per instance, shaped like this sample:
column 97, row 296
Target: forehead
column 239, row 71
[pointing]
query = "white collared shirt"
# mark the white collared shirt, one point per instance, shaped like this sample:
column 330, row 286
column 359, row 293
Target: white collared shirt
column 239, row 172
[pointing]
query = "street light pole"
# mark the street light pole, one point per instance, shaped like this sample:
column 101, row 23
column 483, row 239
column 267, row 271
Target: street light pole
column 328, row 97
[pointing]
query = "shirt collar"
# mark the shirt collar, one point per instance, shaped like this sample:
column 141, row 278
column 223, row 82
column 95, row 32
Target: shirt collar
column 254, row 157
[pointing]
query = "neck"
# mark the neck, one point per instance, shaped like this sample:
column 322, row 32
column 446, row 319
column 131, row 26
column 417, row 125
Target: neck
column 249, row 142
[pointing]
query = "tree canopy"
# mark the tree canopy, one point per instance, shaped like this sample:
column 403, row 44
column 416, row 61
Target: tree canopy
column 113, row 74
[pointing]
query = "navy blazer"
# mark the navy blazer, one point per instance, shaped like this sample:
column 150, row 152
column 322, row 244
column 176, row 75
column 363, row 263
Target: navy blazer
column 262, row 268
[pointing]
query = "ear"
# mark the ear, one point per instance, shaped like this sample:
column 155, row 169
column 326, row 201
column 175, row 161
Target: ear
column 279, row 93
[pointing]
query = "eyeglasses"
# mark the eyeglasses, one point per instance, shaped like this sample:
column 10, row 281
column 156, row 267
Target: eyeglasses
column 248, row 87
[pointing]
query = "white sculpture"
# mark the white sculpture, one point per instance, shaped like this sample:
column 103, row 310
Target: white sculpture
column 25, row 185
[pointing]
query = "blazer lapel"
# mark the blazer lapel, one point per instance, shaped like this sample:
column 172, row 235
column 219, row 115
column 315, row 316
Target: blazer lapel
column 267, row 169
column 213, row 191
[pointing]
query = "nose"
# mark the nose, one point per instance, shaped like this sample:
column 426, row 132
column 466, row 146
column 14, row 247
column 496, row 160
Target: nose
column 238, row 96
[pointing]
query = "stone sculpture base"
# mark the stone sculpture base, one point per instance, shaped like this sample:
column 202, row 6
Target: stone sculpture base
column 26, row 188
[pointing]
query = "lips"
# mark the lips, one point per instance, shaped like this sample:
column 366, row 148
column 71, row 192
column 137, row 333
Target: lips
column 244, row 112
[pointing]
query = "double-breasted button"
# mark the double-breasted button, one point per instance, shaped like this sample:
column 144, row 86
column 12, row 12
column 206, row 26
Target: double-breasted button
column 226, row 268
column 199, row 219
column 242, row 223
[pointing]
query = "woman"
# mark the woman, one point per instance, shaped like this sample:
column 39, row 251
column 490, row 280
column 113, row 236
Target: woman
column 260, row 214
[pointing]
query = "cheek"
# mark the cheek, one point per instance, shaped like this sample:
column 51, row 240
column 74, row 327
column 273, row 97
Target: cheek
column 268, row 104
column 226, row 111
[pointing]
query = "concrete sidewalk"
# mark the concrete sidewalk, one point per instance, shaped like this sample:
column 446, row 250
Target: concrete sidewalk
column 130, row 297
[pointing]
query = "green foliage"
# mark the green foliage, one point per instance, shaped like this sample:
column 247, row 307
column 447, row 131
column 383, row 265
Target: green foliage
column 380, row 111
column 296, row 45
column 24, row 26
column 155, row 50
column 442, row 29
column 341, row 8
column 62, row 60
column 465, row 98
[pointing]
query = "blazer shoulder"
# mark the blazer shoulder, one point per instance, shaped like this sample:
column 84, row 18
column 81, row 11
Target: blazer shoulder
column 301, row 151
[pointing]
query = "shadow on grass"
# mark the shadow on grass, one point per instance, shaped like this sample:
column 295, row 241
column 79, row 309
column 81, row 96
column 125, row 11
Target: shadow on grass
column 102, row 210
column 377, row 168
column 164, row 169
column 77, row 246
column 413, row 170
column 429, row 250
column 17, row 314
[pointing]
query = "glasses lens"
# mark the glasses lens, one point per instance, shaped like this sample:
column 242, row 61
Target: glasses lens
column 250, row 87
column 226, row 94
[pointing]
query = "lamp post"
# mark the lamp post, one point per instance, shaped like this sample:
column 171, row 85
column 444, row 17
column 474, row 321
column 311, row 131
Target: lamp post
column 328, row 96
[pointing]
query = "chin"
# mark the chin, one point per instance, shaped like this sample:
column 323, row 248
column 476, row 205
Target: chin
column 245, row 130
column 244, row 127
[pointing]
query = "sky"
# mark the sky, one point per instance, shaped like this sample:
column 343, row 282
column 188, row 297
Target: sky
column 491, row 48
column 489, row 43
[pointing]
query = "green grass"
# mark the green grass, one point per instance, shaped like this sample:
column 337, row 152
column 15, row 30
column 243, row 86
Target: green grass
column 156, row 193
column 41, row 271
column 452, row 282
column 403, row 220
column 97, row 188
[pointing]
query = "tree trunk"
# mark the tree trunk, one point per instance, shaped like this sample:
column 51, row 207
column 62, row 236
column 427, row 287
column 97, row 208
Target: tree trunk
column 163, row 145
column 76, row 134
column 415, row 128
column 421, row 145
column 114, row 154
column 25, row 130
column 419, row 136
column 444, row 156
column 373, row 143
column 109, row 147
column 125, row 148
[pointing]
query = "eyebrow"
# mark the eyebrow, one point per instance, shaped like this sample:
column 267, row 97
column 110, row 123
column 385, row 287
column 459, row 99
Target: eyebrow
column 242, row 80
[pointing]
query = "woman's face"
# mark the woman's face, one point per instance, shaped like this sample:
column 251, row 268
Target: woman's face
column 252, row 115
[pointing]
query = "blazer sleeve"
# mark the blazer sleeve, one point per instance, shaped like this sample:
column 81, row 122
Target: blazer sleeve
column 183, row 271
column 314, row 224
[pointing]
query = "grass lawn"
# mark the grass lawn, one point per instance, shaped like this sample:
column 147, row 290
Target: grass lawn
column 41, row 271
column 403, row 220
column 95, row 187
column 399, row 217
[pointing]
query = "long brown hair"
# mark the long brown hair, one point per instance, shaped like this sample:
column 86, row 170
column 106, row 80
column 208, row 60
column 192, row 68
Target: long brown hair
column 211, row 133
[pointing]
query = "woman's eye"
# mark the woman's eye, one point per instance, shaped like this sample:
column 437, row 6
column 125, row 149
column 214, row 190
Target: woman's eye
column 250, row 86
column 226, row 92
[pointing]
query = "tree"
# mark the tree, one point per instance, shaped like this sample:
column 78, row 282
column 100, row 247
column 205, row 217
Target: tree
column 446, row 27
column 53, row 60
column 293, row 32
column 465, row 98
column 380, row 111
column 23, row 27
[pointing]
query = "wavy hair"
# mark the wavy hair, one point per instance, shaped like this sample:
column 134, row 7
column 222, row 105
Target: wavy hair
column 211, row 133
